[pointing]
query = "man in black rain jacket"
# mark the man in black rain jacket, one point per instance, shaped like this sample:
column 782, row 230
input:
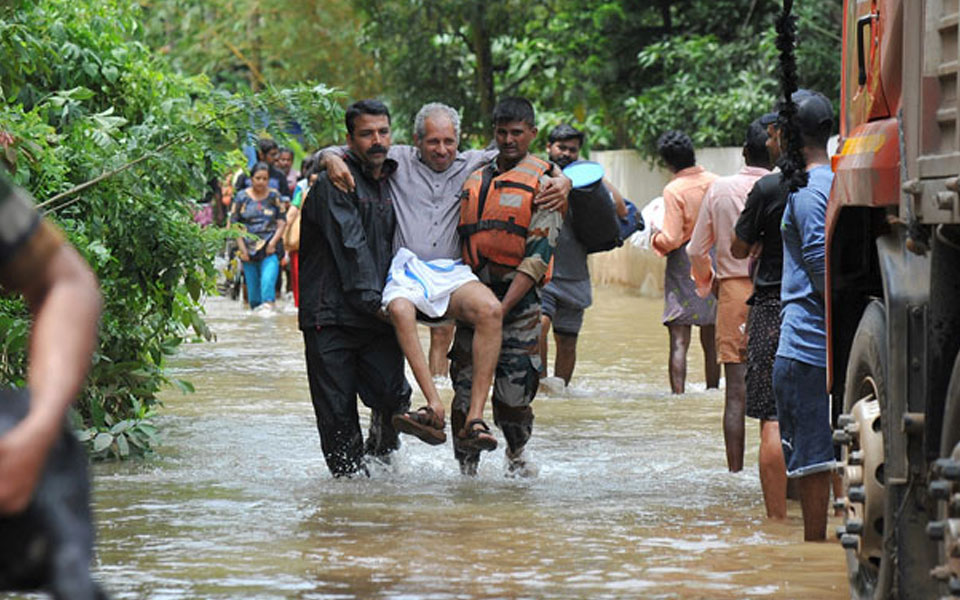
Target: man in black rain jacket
column 346, row 245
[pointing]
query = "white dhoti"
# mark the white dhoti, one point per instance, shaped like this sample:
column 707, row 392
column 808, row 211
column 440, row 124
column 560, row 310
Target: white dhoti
column 428, row 284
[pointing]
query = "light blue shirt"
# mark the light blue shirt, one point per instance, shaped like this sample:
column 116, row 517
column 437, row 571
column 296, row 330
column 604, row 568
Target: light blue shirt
column 803, row 329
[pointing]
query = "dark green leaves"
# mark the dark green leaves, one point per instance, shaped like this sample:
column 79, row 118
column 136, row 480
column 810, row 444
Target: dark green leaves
column 84, row 99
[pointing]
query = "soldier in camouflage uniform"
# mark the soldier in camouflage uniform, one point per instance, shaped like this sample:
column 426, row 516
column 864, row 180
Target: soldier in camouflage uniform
column 507, row 184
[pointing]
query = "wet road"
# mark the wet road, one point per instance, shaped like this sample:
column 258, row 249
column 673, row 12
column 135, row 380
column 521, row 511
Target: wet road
column 633, row 499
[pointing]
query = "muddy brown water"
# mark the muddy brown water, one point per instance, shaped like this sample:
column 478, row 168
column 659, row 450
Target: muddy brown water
column 632, row 501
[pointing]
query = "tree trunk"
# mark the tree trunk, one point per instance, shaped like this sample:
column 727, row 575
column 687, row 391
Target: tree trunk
column 256, row 46
column 480, row 39
column 665, row 15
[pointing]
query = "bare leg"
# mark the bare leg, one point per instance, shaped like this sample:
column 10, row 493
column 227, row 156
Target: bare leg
column 814, row 498
column 566, row 358
column 403, row 315
column 544, row 343
column 679, row 343
column 773, row 471
column 708, row 341
column 440, row 339
column 734, row 406
column 476, row 304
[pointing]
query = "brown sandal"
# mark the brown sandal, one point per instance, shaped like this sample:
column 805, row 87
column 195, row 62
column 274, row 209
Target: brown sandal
column 475, row 435
column 424, row 424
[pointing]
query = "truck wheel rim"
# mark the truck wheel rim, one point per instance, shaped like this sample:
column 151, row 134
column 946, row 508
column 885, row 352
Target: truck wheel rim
column 861, row 467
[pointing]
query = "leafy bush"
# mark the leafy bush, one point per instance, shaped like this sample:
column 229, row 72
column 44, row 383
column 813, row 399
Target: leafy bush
column 81, row 97
column 710, row 89
column 715, row 78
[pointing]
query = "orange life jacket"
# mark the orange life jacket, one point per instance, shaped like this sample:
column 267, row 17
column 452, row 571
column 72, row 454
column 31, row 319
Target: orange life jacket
column 495, row 212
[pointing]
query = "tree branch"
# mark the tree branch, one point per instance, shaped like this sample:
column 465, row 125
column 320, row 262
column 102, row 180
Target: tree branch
column 109, row 174
column 177, row 140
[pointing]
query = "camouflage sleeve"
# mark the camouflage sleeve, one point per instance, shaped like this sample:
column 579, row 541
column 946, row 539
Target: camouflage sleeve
column 26, row 242
column 541, row 241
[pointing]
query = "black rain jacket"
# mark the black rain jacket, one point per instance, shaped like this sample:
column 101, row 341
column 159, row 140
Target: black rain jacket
column 346, row 245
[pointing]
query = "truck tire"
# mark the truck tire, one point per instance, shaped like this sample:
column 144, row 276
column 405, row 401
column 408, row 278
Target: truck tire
column 944, row 487
column 868, row 505
column 951, row 413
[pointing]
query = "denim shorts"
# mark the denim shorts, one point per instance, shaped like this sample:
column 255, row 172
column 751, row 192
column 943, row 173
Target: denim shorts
column 803, row 408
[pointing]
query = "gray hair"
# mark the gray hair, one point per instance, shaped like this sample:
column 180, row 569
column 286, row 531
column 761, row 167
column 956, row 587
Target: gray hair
column 435, row 108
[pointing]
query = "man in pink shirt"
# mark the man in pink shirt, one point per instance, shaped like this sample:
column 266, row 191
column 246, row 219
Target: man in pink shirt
column 682, row 306
column 731, row 281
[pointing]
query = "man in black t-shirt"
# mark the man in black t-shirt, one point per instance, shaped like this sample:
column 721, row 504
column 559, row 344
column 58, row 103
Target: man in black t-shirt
column 758, row 235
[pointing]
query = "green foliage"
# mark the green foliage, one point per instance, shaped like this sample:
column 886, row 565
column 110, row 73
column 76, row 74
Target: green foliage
column 712, row 87
column 622, row 71
column 82, row 95
column 710, row 90
column 449, row 51
column 247, row 44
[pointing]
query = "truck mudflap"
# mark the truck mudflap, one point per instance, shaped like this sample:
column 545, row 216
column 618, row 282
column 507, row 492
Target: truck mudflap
column 906, row 281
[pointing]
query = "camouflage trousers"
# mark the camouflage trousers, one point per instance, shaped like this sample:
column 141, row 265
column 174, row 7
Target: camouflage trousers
column 517, row 375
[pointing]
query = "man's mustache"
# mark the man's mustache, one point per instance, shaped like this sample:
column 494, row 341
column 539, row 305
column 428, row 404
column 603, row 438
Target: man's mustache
column 563, row 161
column 377, row 149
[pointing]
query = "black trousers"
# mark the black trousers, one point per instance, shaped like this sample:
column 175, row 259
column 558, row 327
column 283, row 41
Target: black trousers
column 342, row 363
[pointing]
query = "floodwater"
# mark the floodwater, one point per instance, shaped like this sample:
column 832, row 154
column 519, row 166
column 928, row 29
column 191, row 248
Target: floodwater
column 633, row 499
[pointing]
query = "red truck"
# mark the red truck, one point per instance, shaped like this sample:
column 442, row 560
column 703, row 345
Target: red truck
column 893, row 298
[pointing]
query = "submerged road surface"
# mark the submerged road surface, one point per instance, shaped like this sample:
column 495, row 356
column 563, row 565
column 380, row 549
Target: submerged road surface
column 633, row 499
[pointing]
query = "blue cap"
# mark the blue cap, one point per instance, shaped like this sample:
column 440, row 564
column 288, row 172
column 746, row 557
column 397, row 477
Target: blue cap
column 584, row 173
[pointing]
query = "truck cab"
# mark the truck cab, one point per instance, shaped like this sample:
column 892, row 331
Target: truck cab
column 893, row 298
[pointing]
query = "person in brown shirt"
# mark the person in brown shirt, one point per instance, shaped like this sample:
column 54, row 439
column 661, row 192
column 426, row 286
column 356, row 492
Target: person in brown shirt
column 683, row 308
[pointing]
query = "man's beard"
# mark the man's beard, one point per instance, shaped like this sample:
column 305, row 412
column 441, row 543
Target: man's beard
column 562, row 161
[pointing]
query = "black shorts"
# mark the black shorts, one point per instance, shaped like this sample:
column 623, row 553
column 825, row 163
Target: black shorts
column 763, row 331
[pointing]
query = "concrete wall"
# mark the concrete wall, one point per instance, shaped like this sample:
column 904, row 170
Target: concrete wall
column 640, row 182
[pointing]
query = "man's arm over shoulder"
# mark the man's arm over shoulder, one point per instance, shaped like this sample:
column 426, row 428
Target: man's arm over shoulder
column 476, row 158
column 333, row 150
column 332, row 159
column 396, row 152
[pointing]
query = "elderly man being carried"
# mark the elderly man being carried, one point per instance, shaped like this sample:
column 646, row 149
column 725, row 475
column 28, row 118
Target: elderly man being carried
column 427, row 279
